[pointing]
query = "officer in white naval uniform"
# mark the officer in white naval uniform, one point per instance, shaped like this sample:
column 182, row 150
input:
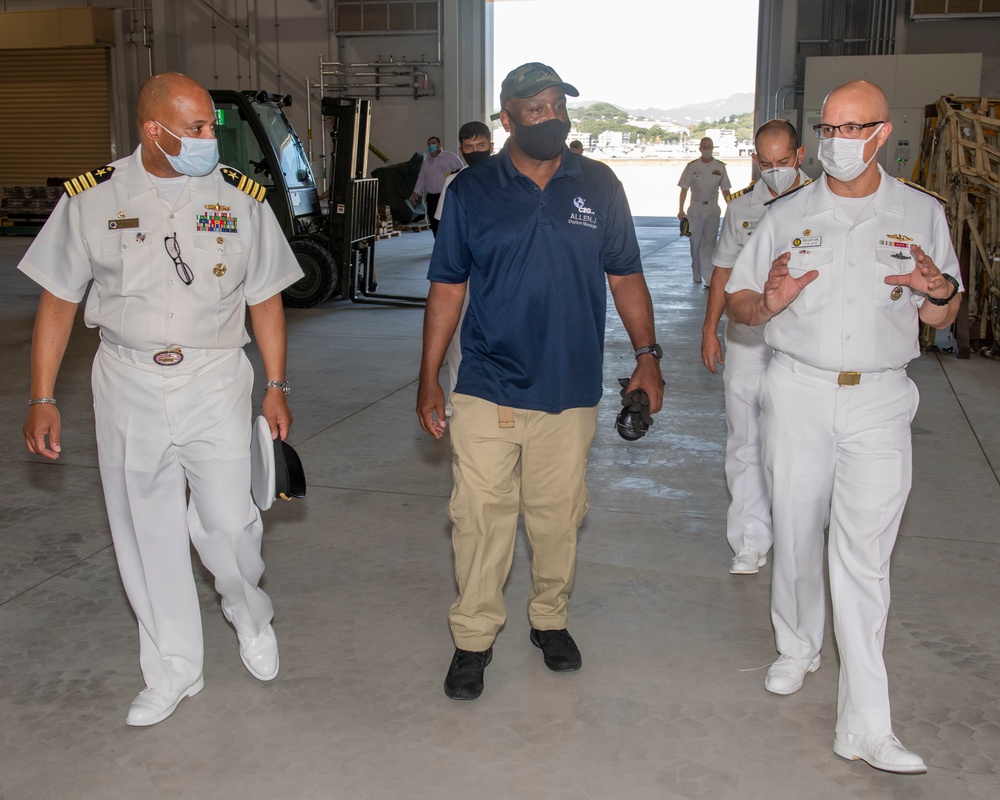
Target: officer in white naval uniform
column 177, row 248
column 842, row 270
column 704, row 177
column 748, row 520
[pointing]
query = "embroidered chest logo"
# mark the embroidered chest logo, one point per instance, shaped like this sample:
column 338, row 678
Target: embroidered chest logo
column 583, row 215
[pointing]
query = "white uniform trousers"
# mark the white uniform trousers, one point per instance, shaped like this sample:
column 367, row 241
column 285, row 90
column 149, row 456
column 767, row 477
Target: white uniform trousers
column 538, row 466
column 162, row 431
column 748, row 520
column 704, row 234
column 847, row 450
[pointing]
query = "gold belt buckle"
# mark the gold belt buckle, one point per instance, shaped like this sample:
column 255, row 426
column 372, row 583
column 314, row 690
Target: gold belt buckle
column 848, row 378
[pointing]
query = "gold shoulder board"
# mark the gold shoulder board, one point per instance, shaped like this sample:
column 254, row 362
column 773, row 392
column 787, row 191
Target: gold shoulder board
column 742, row 191
column 923, row 189
column 789, row 193
column 246, row 185
column 88, row 180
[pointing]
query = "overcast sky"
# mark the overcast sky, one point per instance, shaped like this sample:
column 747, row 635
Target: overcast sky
column 658, row 53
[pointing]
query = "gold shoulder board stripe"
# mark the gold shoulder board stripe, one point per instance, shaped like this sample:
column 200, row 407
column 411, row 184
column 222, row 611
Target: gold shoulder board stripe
column 88, row 180
column 923, row 189
column 246, row 185
column 789, row 193
column 742, row 191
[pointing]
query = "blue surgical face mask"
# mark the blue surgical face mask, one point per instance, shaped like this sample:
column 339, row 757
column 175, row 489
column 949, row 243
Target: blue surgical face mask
column 432, row 148
column 197, row 157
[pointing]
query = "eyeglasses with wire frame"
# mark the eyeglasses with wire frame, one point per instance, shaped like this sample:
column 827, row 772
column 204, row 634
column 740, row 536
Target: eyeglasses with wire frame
column 849, row 130
column 174, row 251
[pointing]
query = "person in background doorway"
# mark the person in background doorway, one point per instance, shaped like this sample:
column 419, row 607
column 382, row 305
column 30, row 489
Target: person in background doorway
column 704, row 178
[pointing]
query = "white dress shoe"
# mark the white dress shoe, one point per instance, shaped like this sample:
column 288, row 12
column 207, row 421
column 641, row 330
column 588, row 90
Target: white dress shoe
column 155, row 705
column 787, row 674
column 747, row 562
column 882, row 752
column 260, row 654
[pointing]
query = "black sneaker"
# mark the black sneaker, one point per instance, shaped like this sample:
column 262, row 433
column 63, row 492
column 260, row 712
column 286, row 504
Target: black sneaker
column 465, row 675
column 560, row 651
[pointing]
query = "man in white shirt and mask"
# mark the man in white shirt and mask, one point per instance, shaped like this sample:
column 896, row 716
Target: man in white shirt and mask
column 177, row 248
column 748, row 521
column 842, row 271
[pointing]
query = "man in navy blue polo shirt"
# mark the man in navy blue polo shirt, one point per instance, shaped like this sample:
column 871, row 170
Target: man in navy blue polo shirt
column 530, row 234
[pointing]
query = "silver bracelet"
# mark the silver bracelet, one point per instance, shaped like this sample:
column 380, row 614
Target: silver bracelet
column 283, row 385
column 36, row 401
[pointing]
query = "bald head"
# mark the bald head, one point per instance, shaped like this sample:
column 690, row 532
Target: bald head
column 161, row 94
column 776, row 129
column 171, row 107
column 861, row 95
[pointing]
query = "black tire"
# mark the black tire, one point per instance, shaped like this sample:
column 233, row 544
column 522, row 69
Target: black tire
column 321, row 274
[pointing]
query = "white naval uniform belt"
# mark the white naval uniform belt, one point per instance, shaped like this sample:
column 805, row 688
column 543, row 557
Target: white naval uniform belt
column 167, row 357
column 843, row 378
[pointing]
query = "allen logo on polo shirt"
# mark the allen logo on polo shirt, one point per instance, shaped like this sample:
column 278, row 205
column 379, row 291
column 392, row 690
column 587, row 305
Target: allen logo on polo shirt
column 583, row 215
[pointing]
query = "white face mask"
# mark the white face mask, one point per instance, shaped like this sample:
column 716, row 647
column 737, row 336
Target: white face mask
column 779, row 179
column 197, row 157
column 844, row 159
column 707, row 154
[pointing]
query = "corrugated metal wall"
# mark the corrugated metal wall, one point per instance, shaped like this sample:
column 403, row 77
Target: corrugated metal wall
column 56, row 120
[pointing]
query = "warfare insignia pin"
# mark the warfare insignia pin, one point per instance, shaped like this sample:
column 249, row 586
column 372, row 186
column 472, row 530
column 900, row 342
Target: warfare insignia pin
column 901, row 256
column 217, row 207
column 898, row 237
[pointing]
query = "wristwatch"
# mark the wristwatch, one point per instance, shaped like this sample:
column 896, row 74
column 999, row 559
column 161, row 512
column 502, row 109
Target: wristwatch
column 653, row 349
column 937, row 301
column 283, row 385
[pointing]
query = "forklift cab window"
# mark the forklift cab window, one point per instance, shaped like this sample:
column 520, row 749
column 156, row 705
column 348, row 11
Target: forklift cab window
column 238, row 146
column 287, row 147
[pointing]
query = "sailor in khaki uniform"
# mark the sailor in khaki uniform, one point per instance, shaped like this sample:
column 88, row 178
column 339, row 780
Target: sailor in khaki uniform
column 177, row 247
column 748, row 520
column 843, row 270
column 704, row 177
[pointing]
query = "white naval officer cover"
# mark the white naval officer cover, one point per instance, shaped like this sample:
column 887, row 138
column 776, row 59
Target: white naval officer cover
column 275, row 468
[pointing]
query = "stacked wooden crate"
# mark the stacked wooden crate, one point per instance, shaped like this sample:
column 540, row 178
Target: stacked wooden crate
column 960, row 160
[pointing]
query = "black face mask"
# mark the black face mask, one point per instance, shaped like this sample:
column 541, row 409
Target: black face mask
column 542, row 142
column 475, row 157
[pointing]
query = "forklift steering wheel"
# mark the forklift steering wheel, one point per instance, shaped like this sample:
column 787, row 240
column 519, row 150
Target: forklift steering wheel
column 259, row 167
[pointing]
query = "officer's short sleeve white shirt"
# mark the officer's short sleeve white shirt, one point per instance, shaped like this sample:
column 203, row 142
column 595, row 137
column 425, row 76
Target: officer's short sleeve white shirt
column 704, row 182
column 848, row 318
column 114, row 234
column 740, row 221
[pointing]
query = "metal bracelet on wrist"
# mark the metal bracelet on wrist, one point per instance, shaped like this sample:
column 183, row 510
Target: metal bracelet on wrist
column 283, row 385
column 40, row 401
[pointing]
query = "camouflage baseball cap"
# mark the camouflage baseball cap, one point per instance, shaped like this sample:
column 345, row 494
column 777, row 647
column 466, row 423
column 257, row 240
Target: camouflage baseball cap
column 529, row 79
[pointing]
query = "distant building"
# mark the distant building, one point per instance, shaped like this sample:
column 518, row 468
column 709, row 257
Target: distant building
column 613, row 139
column 725, row 142
column 585, row 139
